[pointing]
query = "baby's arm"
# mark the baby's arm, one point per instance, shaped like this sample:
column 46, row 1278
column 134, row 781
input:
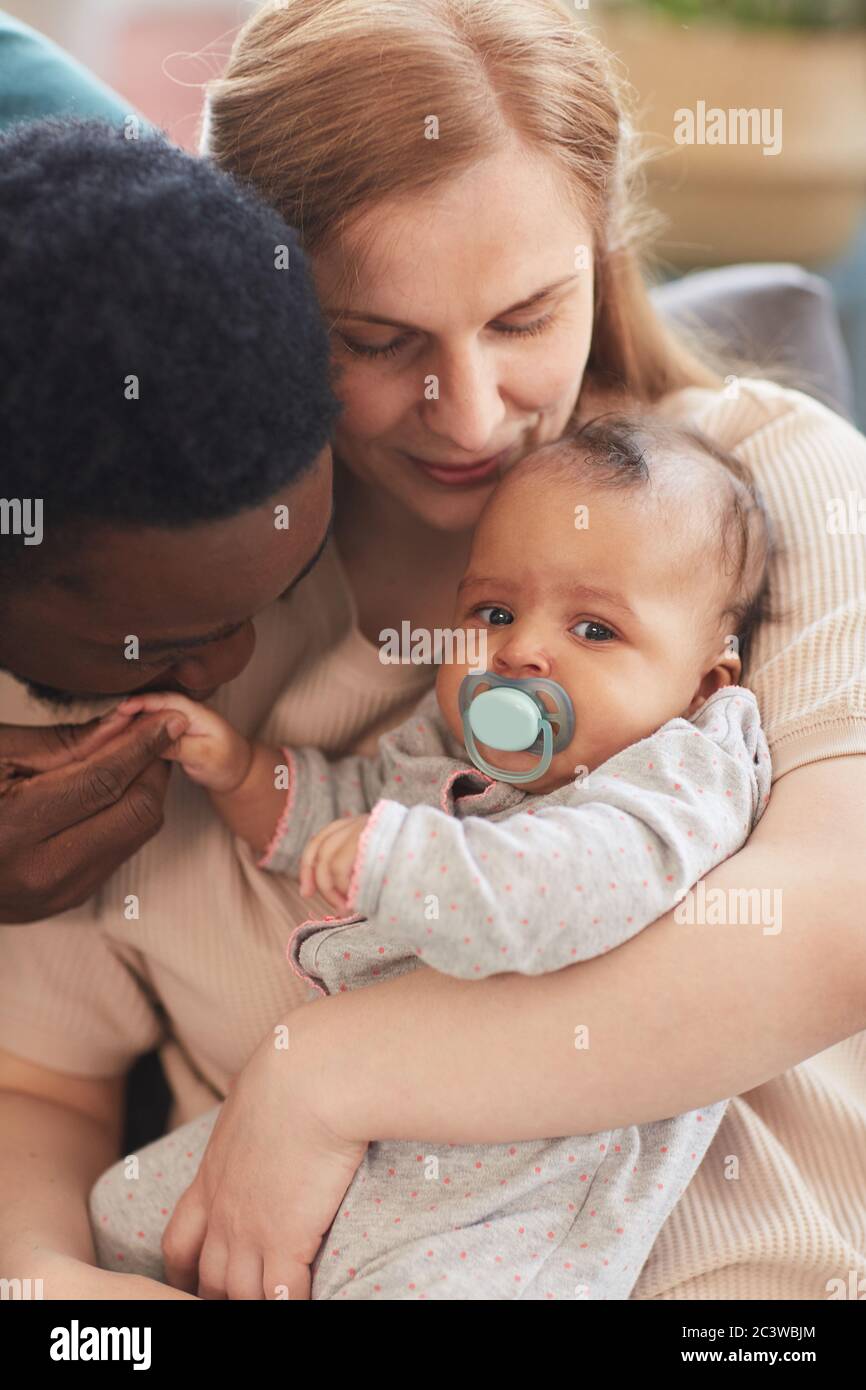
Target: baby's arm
column 275, row 799
column 241, row 775
column 540, row 890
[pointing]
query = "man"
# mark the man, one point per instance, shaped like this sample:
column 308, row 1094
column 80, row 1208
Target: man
column 165, row 472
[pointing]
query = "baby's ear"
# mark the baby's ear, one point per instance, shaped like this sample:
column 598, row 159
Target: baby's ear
column 726, row 671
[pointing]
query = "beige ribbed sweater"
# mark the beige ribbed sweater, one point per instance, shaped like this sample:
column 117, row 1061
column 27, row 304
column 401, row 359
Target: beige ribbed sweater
column 202, row 970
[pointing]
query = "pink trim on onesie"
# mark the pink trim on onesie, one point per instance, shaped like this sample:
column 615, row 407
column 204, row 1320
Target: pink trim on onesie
column 296, row 968
column 462, row 772
column 283, row 822
column 313, row 921
column 358, row 866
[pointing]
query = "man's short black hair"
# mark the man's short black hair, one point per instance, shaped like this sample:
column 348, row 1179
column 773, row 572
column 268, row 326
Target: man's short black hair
column 129, row 268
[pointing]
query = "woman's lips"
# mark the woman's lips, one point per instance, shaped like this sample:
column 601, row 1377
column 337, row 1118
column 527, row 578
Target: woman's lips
column 462, row 475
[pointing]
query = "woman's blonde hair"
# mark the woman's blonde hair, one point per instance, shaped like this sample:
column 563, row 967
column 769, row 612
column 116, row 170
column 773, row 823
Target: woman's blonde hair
column 325, row 107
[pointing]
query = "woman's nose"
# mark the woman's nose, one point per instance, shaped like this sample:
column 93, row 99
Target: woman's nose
column 468, row 409
column 217, row 663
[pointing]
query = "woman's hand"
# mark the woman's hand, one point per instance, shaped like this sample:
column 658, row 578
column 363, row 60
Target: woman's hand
column 327, row 861
column 269, row 1185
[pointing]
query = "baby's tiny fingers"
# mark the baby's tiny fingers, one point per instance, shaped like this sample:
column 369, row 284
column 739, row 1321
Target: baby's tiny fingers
column 158, row 701
column 327, row 876
column 132, row 705
column 311, row 853
column 307, row 870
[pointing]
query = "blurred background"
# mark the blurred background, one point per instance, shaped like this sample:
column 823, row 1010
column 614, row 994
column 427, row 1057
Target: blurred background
column 155, row 53
column 724, row 203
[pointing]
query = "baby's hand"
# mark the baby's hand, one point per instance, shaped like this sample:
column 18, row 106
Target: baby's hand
column 326, row 863
column 210, row 751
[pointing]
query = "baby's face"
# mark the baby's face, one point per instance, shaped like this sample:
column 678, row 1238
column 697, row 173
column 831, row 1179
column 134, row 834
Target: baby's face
column 615, row 608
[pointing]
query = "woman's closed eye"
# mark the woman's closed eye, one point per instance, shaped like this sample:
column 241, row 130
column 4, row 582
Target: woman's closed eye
column 525, row 330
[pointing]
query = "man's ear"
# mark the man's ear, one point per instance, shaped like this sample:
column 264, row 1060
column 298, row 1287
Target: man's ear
column 726, row 671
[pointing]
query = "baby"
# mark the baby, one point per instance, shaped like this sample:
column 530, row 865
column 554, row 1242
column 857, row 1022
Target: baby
column 527, row 816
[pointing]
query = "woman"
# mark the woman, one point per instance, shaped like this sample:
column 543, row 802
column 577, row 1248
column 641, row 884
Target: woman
column 461, row 175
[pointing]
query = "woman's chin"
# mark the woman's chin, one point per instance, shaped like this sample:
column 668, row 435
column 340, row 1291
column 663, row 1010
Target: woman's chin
column 451, row 515
column 443, row 508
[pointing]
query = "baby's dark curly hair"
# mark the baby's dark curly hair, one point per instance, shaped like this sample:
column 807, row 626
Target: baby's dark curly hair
column 158, row 365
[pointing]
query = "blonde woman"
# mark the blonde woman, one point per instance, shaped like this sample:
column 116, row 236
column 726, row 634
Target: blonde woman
column 462, row 175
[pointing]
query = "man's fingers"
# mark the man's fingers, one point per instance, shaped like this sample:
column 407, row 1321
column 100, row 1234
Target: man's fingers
column 122, row 828
column 42, row 747
column 54, row 801
column 64, row 871
column 64, row 832
column 182, row 1241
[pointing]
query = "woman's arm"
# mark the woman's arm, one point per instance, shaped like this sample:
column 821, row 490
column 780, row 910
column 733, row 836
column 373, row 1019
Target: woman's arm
column 678, row 1017
column 57, row 1134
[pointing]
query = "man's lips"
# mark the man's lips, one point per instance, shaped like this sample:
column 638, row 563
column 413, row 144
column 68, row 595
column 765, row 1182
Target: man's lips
column 462, row 475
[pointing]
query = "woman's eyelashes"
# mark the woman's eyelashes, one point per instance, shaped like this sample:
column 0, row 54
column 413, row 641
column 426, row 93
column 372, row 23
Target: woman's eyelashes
column 526, row 330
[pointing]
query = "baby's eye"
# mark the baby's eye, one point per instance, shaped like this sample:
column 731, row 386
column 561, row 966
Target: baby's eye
column 596, row 632
column 500, row 617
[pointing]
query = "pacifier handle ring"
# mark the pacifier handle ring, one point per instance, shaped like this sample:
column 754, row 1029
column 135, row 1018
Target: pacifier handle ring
column 498, row 774
column 563, row 716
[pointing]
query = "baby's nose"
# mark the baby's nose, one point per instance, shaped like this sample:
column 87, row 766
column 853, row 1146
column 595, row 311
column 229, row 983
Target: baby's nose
column 519, row 658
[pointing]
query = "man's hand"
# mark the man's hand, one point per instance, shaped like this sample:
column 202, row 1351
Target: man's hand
column 75, row 802
column 210, row 752
column 268, row 1187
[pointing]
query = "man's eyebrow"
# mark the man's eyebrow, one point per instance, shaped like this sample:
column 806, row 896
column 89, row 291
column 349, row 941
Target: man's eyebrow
column 190, row 643
column 565, row 591
column 398, row 323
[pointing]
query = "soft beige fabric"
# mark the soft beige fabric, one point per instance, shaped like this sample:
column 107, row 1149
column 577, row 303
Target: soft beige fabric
column 203, row 971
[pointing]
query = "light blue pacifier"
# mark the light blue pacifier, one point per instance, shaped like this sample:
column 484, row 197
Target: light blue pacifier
column 511, row 716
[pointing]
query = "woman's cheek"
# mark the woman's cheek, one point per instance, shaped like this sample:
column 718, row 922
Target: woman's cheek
column 373, row 401
column 548, row 384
